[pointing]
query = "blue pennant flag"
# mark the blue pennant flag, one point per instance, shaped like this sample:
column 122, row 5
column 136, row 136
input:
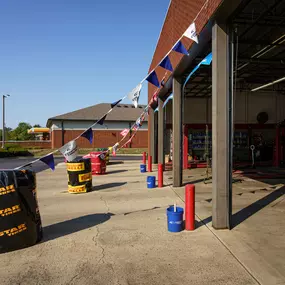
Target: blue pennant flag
column 156, row 110
column 152, row 78
column 166, row 63
column 48, row 160
column 166, row 101
column 115, row 103
column 179, row 47
column 207, row 60
column 88, row 134
column 101, row 121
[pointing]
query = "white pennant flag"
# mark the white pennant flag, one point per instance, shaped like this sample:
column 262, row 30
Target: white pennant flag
column 69, row 150
column 191, row 33
column 134, row 95
column 114, row 149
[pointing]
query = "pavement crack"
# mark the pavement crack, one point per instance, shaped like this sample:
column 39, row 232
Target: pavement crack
column 95, row 240
column 106, row 204
column 73, row 278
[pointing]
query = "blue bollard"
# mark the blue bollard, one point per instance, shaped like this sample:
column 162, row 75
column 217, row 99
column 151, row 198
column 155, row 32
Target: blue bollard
column 175, row 219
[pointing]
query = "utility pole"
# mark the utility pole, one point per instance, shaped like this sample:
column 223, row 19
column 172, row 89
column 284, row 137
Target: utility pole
column 3, row 128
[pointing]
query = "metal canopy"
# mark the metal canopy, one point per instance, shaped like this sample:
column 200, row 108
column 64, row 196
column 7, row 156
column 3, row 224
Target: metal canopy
column 259, row 39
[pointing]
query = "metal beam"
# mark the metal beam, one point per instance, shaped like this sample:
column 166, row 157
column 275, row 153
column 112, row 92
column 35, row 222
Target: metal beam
column 258, row 42
column 261, row 16
column 262, row 60
column 260, row 24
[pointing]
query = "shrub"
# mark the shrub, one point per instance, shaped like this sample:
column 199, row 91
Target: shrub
column 13, row 150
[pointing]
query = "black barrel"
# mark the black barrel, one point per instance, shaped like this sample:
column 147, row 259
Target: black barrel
column 20, row 220
column 79, row 176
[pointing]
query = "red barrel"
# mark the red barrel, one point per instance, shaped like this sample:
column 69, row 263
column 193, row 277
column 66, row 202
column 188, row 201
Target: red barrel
column 98, row 162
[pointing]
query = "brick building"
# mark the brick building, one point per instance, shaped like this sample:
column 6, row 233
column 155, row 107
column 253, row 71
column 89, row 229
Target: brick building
column 68, row 126
column 221, row 110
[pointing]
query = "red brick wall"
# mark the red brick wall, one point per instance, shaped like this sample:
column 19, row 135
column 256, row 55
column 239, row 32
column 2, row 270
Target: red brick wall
column 101, row 139
column 30, row 144
column 180, row 15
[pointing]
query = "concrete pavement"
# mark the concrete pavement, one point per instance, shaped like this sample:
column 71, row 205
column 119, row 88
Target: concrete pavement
column 117, row 234
column 257, row 238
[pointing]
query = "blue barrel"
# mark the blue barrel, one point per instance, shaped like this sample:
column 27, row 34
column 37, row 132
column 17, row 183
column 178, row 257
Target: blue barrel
column 175, row 219
column 150, row 182
column 143, row 168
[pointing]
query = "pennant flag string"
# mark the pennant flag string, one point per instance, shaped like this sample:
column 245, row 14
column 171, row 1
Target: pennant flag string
column 88, row 134
column 166, row 63
column 28, row 164
column 129, row 130
column 43, row 159
column 134, row 95
column 145, row 78
column 152, row 78
column 101, row 121
column 180, row 48
column 69, row 150
column 124, row 132
column 115, row 103
column 191, row 33
column 49, row 161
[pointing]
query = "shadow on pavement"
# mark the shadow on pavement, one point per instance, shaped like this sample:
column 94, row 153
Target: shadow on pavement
column 108, row 185
column 117, row 171
column 145, row 210
column 74, row 225
column 255, row 207
column 115, row 162
column 204, row 222
column 248, row 211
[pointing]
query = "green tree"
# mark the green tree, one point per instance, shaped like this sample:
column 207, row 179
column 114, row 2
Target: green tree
column 7, row 137
column 21, row 132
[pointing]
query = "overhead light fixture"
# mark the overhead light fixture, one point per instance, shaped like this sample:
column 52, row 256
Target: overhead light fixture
column 268, row 84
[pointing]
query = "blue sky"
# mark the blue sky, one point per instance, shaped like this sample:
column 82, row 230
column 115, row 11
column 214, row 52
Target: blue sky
column 57, row 56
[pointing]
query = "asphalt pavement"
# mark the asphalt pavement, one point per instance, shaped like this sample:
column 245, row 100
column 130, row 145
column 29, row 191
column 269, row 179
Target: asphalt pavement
column 11, row 163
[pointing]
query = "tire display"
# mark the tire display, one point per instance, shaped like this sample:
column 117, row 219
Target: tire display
column 20, row 220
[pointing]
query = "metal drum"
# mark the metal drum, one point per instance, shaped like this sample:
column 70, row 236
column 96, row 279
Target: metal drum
column 79, row 176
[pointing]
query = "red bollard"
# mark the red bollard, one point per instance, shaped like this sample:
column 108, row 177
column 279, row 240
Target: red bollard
column 160, row 175
column 149, row 163
column 144, row 157
column 190, row 207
